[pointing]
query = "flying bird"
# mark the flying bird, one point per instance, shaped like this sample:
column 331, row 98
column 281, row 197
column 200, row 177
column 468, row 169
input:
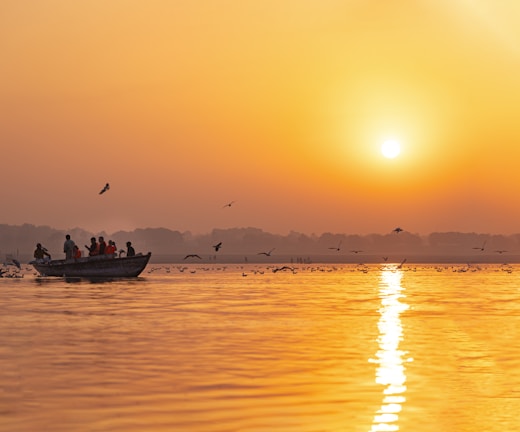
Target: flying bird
column 229, row 204
column 480, row 248
column 217, row 246
column 356, row 251
column 398, row 230
column 283, row 268
column 107, row 187
column 337, row 247
column 266, row 253
column 501, row 251
column 192, row 256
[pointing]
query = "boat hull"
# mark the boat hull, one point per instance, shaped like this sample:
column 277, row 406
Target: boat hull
column 92, row 267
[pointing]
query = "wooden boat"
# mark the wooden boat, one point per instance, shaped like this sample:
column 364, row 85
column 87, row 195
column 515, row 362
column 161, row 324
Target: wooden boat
column 101, row 266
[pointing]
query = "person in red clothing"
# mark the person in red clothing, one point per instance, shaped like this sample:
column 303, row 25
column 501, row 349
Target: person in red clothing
column 111, row 248
column 76, row 252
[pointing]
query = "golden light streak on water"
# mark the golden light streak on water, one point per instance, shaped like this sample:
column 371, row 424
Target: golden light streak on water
column 391, row 372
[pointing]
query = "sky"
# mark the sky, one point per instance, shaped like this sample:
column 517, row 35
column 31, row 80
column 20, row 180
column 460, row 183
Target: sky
column 279, row 106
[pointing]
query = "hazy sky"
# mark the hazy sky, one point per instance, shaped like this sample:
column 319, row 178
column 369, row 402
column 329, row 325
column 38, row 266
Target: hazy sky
column 279, row 105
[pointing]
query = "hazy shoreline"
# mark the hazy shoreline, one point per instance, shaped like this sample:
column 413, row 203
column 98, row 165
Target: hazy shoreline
column 249, row 245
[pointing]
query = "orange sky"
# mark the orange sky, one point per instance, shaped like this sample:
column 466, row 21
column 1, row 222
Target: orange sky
column 280, row 106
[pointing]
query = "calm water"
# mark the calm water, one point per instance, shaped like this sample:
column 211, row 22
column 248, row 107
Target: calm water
column 243, row 348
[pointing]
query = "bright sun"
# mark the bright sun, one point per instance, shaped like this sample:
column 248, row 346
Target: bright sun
column 391, row 148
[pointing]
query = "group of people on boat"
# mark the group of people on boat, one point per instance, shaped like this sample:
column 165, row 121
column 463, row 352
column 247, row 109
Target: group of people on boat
column 96, row 248
column 101, row 247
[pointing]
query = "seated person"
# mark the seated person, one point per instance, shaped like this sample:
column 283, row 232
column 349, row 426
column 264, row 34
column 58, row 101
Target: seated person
column 130, row 251
column 40, row 252
column 110, row 249
column 93, row 249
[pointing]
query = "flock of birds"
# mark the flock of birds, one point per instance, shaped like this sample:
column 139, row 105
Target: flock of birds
column 337, row 248
column 268, row 253
column 259, row 269
column 12, row 268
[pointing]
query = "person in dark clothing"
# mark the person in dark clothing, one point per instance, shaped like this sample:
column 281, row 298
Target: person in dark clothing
column 102, row 245
column 40, row 252
column 130, row 251
column 93, row 249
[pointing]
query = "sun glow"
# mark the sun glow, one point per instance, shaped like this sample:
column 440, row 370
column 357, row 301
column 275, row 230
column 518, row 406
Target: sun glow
column 391, row 148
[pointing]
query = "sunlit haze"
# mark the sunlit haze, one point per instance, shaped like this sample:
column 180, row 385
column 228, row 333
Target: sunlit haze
column 391, row 148
column 281, row 107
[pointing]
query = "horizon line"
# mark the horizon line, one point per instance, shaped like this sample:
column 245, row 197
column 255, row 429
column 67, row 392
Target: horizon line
column 264, row 230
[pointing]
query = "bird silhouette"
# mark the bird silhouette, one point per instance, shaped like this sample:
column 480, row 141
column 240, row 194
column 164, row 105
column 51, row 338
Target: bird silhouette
column 192, row 256
column 105, row 188
column 229, row 204
column 356, row 251
column 217, row 246
column 338, row 247
column 500, row 251
column 283, row 268
column 266, row 253
column 481, row 248
column 398, row 230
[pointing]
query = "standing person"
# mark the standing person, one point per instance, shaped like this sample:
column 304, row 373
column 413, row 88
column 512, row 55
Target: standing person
column 40, row 252
column 68, row 247
column 130, row 251
column 102, row 245
column 93, row 249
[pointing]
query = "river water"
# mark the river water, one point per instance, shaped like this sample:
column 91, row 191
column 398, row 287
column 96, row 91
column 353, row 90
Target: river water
column 258, row 348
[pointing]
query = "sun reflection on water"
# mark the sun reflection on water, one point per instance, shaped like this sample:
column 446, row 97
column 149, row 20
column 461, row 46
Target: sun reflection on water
column 390, row 372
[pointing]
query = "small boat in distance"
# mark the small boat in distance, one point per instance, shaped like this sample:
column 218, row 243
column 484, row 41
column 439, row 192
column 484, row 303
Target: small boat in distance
column 99, row 266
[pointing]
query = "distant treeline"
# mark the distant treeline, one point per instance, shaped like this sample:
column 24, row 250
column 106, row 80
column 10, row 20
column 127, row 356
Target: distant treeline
column 247, row 244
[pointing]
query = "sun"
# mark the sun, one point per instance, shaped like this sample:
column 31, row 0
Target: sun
column 391, row 148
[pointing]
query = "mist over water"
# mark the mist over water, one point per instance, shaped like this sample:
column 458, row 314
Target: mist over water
column 245, row 348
